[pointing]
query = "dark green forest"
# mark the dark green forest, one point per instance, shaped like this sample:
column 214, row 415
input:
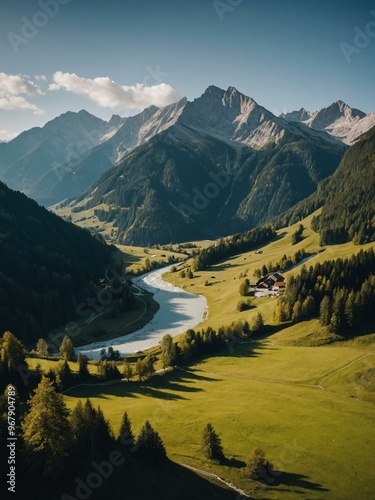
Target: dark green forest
column 340, row 292
column 174, row 188
column 241, row 242
column 347, row 199
column 349, row 209
column 47, row 267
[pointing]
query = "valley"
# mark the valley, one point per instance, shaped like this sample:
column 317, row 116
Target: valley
column 302, row 394
column 212, row 267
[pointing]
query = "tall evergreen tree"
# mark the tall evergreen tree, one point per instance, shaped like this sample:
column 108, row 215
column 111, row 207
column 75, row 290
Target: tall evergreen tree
column 211, row 444
column 46, row 430
column 325, row 310
column 128, row 370
column 126, row 436
column 257, row 324
column 83, row 371
column 67, row 348
column 150, row 446
column 42, row 348
column 64, row 376
column 168, row 351
column 12, row 352
column 91, row 431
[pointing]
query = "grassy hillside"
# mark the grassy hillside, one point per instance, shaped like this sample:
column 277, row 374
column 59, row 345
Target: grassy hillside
column 262, row 395
column 220, row 284
column 308, row 402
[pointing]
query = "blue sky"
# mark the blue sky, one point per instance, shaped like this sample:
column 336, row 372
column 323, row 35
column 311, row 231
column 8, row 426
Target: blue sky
column 119, row 56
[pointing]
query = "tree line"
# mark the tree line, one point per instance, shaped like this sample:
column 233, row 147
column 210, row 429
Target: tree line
column 58, row 449
column 47, row 267
column 284, row 263
column 340, row 292
column 225, row 248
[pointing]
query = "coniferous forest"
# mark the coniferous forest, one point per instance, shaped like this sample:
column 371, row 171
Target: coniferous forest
column 340, row 292
column 47, row 267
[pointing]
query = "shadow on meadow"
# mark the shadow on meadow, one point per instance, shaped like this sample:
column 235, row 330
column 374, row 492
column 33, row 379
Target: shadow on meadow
column 176, row 385
column 280, row 479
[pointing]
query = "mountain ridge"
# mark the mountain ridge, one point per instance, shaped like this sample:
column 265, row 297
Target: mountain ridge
column 339, row 120
column 51, row 165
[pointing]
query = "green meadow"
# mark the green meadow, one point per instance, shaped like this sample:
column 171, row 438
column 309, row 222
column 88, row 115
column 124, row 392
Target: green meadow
column 305, row 396
column 284, row 399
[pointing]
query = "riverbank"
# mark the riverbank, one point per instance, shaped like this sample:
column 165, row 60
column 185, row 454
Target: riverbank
column 178, row 311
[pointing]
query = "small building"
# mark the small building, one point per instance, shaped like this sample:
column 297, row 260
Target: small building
column 271, row 281
column 279, row 286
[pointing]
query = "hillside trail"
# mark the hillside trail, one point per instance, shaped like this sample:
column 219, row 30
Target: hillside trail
column 244, row 496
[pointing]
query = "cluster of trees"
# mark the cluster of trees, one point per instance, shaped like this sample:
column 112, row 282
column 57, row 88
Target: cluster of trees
column 283, row 264
column 144, row 368
column 244, row 305
column 186, row 273
column 258, row 467
column 54, row 443
column 341, row 292
column 239, row 243
column 297, row 235
column 150, row 265
column 244, row 287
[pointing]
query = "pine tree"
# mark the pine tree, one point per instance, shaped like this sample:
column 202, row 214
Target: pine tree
column 297, row 312
column 12, row 352
column 42, row 348
column 168, row 351
column 308, row 307
column 126, row 436
column 242, row 289
column 325, row 311
column 257, row 324
column 150, row 446
column 211, row 444
column 92, row 433
column 67, row 348
column 46, row 429
column 83, row 370
column 64, row 376
column 128, row 370
column 140, row 369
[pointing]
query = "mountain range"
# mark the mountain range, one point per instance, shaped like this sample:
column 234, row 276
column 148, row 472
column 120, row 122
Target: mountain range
column 71, row 152
column 339, row 120
column 202, row 169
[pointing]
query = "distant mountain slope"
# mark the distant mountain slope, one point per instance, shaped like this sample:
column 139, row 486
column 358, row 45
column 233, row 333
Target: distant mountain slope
column 66, row 156
column 349, row 209
column 187, row 184
column 339, row 120
column 47, row 267
column 77, row 175
column 25, row 159
column 346, row 198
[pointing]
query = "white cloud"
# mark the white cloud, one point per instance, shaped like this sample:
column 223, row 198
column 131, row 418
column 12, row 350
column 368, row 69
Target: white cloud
column 11, row 86
column 108, row 94
column 7, row 136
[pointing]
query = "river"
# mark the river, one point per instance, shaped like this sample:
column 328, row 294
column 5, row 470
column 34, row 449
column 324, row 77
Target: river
column 179, row 311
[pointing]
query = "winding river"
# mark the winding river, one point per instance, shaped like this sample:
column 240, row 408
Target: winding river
column 178, row 312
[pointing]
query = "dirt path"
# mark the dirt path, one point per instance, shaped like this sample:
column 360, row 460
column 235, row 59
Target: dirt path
column 327, row 375
column 217, row 478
